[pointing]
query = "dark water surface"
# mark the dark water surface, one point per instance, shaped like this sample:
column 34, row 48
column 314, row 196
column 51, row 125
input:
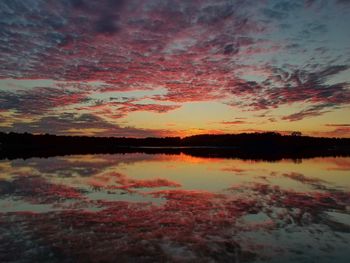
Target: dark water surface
column 174, row 208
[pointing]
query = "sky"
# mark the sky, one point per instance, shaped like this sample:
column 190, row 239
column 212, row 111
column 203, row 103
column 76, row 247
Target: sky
column 140, row 68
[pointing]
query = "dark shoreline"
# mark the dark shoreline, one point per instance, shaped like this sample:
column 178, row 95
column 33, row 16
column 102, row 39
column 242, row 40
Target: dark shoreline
column 261, row 146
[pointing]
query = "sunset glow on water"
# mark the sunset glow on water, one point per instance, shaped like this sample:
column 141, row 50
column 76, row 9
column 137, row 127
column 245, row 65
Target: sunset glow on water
column 146, row 208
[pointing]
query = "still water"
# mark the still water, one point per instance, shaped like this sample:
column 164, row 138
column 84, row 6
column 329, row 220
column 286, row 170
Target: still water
column 174, row 208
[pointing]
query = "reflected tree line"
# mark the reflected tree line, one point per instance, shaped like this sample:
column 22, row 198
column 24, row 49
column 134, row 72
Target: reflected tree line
column 262, row 146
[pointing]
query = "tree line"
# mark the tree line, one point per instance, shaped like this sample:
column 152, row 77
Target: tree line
column 245, row 145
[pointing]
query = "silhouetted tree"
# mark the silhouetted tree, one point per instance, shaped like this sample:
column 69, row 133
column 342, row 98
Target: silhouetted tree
column 296, row 133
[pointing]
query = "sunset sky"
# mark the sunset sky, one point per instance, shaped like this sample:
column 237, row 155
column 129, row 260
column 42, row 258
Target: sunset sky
column 175, row 68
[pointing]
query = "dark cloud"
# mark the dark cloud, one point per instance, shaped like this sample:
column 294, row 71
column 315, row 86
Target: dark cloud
column 75, row 124
column 270, row 13
column 40, row 100
column 287, row 6
column 312, row 111
column 216, row 12
column 121, row 107
column 302, row 86
column 343, row 1
column 237, row 122
column 230, row 49
column 107, row 24
column 107, row 13
column 337, row 125
column 158, row 108
column 77, row 3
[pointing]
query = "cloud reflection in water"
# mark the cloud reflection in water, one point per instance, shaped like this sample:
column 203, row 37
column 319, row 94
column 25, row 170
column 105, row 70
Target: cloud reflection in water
column 135, row 207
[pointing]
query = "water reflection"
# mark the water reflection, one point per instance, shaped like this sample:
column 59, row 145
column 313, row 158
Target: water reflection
column 176, row 208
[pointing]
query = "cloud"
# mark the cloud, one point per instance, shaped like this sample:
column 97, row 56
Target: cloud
column 337, row 132
column 81, row 124
column 283, row 87
column 193, row 51
column 104, row 15
column 337, row 125
column 38, row 190
column 237, row 122
column 313, row 111
column 65, row 45
column 300, row 85
column 119, row 109
column 158, row 108
column 114, row 181
column 40, row 100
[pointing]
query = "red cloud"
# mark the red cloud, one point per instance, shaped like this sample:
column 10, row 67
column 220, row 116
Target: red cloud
column 202, row 51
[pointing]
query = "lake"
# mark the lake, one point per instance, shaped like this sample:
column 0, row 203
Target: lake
column 174, row 208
